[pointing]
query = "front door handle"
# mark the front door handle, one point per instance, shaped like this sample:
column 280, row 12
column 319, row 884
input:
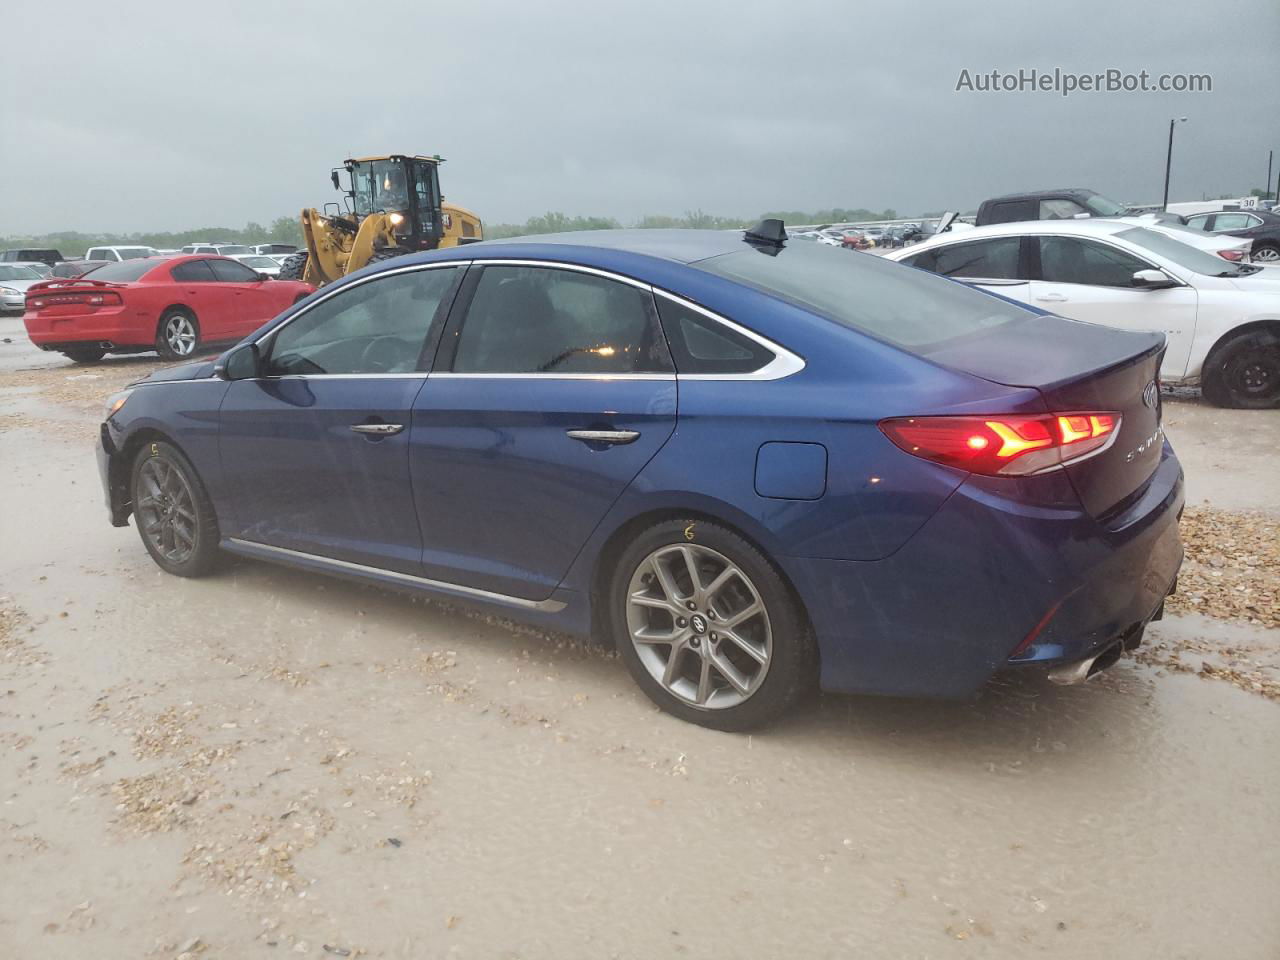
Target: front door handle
column 378, row 429
column 1051, row 297
column 605, row 436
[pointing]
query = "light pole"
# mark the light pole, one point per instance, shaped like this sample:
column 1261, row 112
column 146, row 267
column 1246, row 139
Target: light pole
column 1168, row 162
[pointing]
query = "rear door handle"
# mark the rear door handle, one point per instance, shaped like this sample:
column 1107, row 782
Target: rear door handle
column 1051, row 297
column 378, row 429
column 604, row 436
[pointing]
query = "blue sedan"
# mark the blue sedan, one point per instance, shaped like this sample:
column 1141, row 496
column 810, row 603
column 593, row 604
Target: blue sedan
column 755, row 467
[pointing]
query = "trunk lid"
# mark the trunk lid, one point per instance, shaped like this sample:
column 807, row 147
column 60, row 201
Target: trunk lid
column 1081, row 367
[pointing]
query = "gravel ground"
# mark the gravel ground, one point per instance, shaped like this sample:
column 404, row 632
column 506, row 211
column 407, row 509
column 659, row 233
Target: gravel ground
column 265, row 763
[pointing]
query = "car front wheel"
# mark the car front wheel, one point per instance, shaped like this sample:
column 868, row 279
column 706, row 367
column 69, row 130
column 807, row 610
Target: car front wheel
column 172, row 511
column 708, row 628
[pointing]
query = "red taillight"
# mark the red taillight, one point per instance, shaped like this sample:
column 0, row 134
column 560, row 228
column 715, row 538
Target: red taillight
column 1003, row 445
column 1235, row 256
column 106, row 298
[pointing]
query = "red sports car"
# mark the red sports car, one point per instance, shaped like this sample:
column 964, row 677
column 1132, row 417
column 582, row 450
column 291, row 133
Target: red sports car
column 171, row 305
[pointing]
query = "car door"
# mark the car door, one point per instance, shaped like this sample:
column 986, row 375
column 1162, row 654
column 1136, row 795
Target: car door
column 252, row 309
column 553, row 388
column 1086, row 279
column 995, row 264
column 214, row 302
column 315, row 449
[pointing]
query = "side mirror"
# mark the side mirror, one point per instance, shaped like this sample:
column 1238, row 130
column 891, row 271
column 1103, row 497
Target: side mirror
column 333, row 175
column 1152, row 280
column 240, row 363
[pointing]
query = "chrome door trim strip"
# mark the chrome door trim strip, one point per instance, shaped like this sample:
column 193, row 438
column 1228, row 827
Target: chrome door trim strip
column 544, row 606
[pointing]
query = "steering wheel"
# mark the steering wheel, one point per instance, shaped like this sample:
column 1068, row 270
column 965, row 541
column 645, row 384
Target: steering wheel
column 382, row 354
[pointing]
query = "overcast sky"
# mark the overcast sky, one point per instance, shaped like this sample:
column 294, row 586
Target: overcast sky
column 139, row 115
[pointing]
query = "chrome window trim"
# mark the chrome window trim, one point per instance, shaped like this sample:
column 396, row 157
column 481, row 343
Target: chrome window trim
column 547, row 606
column 449, row 375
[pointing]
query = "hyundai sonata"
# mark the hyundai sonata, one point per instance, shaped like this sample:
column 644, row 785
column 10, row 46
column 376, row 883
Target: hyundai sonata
column 754, row 466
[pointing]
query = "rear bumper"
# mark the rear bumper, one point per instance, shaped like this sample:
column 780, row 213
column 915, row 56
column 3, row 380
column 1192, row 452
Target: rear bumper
column 991, row 584
column 109, row 328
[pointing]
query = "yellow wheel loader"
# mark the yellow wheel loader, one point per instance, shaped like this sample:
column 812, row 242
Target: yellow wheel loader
column 392, row 207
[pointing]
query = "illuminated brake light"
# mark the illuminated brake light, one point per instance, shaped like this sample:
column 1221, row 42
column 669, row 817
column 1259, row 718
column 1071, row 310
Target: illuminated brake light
column 1005, row 445
column 1235, row 256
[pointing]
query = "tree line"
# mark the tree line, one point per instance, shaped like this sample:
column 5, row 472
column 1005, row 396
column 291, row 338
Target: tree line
column 288, row 229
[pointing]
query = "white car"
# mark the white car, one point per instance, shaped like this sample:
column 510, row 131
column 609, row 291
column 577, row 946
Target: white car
column 221, row 249
column 14, row 280
column 115, row 254
column 260, row 263
column 1221, row 320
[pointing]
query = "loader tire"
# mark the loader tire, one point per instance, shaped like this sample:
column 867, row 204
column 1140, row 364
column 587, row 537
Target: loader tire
column 294, row 267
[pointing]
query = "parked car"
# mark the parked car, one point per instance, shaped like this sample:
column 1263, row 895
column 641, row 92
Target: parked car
column 115, row 254
column 173, row 306
column 1067, row 203
column 1228, row 248
column 1222, row 320
column 270, row 248
column 75, row 268
column 15, row 279
column 1260, row 227
column 23, row 254
column 39, row 266
column 220, row 249
column 753, row 465
column 261, row 263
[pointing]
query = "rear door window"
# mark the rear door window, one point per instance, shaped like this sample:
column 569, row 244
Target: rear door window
column 193, row 271
column 532, row 320
column 229, row 271
column 1234, row 221
column 1072, row 260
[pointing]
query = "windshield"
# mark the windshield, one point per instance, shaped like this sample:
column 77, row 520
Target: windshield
column 1183, row 254
column 910, row 308
column 1103, row 207
column 125, row 271
column 379, row 186
column 17, row 273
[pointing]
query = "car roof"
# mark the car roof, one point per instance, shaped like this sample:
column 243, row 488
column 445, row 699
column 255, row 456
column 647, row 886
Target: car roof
column 1094, row 227
column 678, row 246
column 1033, row 194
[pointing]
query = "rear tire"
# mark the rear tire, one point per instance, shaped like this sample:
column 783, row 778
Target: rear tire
column 178, row 334
column 84, row 354
column 760, row 665
column 294, row 266
column 172, row 511
column 1265, row 253
column 1244, row 372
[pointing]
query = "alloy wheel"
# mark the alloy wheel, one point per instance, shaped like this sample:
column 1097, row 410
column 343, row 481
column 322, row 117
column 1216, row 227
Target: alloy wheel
column 180, row 334
column 1266, row 255
column 699, row 626
column 166, row 510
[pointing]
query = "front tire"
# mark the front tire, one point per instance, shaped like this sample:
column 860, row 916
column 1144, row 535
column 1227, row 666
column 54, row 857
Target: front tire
column 178, row 334
column 172, row 511
column 293, row 267
column 708, row 628
column 1244, row 372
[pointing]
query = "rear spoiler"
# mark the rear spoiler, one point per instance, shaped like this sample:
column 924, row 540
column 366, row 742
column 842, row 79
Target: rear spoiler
column 60, row 283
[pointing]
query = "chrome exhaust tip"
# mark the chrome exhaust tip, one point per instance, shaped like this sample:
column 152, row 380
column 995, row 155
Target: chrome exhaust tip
column 1078, row 671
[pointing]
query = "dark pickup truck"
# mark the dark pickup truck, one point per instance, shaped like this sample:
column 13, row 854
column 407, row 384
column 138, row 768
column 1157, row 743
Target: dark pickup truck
column 1068, row 203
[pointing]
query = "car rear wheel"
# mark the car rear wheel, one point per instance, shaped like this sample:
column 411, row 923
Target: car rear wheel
column 172, row 511
column 88, row 354
column 293, row 267
column 1244, row 372
column 708, row 628
column 178, row 334
column 1267, row 253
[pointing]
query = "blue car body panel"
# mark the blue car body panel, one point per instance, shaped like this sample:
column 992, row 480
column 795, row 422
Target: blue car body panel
column 917, row 579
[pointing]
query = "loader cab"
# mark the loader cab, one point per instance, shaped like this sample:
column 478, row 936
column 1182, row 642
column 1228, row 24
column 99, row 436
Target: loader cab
column 407, row 187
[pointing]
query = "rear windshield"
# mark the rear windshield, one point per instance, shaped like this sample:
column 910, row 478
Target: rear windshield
column 125, row 271
column 891, row 301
